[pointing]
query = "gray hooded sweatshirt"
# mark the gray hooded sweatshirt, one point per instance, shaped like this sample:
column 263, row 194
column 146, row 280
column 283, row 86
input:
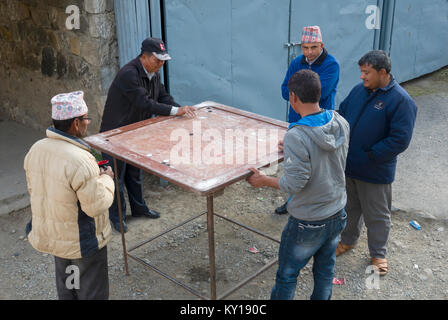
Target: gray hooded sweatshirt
column 315, row 151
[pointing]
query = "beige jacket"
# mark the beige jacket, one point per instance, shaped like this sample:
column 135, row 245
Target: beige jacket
column 69, row 197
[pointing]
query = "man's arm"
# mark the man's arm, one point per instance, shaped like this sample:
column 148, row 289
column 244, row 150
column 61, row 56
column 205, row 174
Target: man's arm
column 95, row 191
column 165, row 97
column 329, row 79
column 138, row 96
column 401, row 127
column 293, row 67
column 259, row 180
column 342, row 107
column 297, row 168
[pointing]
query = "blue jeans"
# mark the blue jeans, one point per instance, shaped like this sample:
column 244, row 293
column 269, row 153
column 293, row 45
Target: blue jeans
column 300, row 241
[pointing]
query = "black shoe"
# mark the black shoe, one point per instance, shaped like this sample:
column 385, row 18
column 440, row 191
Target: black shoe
column 117, row 226
column 151, row 214
column 282, row 209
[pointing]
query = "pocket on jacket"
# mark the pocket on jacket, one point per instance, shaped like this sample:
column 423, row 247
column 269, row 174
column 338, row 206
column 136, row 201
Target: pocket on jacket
column 309, row 234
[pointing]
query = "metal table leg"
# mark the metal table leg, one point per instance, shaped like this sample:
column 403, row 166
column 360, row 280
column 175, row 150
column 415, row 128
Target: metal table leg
column 211, row 246
column 120, row 215
column 211, row 249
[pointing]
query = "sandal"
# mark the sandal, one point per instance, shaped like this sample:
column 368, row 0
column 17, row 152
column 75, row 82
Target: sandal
column 341, row 248
column 381, row 264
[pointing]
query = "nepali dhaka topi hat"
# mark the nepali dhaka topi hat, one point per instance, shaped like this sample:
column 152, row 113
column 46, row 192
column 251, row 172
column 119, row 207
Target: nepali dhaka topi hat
column 311, row 34
column 68, row 105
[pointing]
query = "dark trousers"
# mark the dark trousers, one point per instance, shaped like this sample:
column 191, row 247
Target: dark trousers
column 131, row 177
column 83, row 279
column 369, row 203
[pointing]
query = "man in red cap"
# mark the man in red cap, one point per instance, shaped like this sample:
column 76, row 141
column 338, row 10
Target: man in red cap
column 316, row 58
column 136, row 94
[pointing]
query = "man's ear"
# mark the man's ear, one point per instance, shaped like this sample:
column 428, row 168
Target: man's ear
column 292, row 97
column 75, row 125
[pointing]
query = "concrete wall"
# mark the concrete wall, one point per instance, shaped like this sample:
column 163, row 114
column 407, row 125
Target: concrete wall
column 40, row 57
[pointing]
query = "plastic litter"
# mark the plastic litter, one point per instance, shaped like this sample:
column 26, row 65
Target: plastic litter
column 338, row 281
column 415, row 225
column 254, row 250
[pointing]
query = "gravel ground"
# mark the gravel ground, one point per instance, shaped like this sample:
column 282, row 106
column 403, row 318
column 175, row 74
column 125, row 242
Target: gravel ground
column 417, row 258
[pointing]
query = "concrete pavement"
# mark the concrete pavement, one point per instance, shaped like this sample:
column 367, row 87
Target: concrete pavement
column 15, row 141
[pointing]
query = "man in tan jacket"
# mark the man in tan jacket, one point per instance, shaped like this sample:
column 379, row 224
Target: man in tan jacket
column 70, row 198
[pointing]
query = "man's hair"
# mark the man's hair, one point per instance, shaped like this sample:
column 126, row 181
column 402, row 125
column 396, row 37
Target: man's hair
column 145, row 53
column 64, row 125
column 377, row 59
column 306, row 86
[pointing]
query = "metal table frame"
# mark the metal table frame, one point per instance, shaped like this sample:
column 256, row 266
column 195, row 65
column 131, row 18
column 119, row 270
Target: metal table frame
column 210, row 211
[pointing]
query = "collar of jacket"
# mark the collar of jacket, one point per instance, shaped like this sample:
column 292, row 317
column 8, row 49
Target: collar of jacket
column 54, row 133
column 318, row 60
column 390, row 85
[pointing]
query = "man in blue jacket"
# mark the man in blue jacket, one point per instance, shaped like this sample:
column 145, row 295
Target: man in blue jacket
column 316, row 58
column 381, row 115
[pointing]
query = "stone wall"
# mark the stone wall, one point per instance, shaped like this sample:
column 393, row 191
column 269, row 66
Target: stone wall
column 40, row 57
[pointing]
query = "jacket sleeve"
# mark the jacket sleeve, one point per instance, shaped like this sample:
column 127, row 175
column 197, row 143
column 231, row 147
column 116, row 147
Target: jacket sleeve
column 329, row 79
column 25, row 167
column 297, row 165
column 293, row 67
column 342, row 107
column 166, row 98
column 401, row 126
column 95, row 191
column 138, row 96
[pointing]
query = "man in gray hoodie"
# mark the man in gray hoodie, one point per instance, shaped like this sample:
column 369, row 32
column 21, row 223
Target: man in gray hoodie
column 315, row 150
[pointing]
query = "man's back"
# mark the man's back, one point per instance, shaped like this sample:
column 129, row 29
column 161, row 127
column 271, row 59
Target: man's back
column 315, row 154
column 67, row 195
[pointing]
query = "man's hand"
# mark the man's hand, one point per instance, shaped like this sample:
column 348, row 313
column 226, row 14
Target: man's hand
column 257, row 179
column 280, row 145
column 187, row 110
column 107, row 171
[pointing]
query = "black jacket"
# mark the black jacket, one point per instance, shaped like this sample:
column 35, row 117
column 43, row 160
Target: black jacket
column 132, row 97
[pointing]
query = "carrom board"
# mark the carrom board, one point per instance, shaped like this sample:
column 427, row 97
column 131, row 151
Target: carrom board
column 202, row 154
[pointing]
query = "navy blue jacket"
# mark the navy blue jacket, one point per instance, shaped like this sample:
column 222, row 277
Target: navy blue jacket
column 381, row 125
column 327, row 67
column 132, row 97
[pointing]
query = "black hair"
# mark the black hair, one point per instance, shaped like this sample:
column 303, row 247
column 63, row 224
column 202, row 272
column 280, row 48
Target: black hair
column 64, row 125
column 377, row 59
column 306, row 86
